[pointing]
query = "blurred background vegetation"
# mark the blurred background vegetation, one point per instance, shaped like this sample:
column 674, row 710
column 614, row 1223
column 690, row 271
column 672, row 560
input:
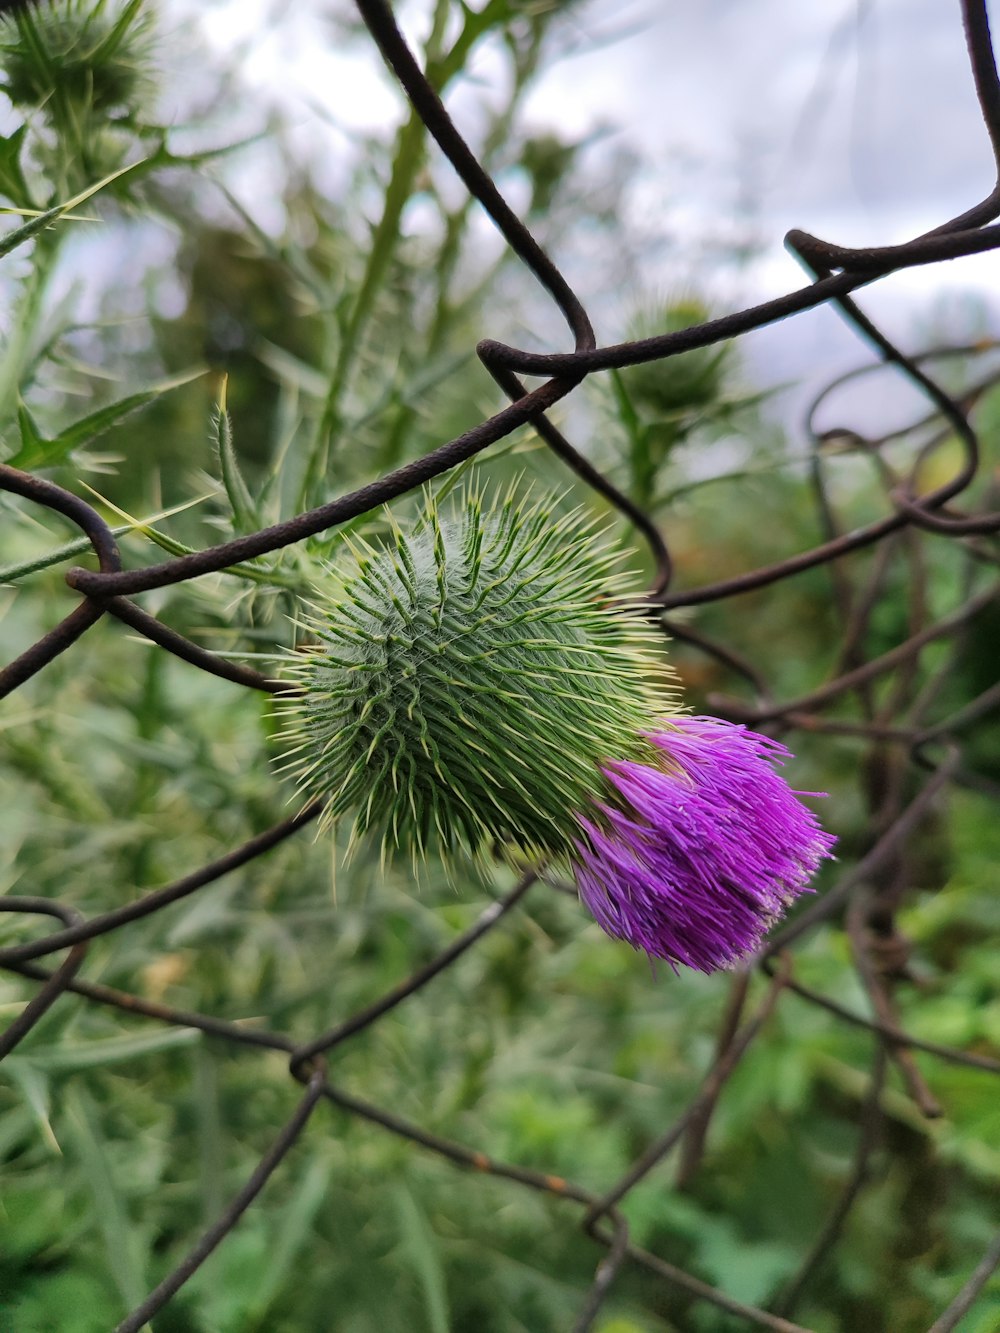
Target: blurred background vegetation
column 208, row 375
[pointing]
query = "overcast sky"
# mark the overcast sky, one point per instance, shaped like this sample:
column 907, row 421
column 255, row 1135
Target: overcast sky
column 853, row 119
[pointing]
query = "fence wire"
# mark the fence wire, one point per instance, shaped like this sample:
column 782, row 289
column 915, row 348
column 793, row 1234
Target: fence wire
column 914, row 753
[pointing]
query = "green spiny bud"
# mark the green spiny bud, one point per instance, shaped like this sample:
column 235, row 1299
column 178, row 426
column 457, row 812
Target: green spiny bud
column 467, row 685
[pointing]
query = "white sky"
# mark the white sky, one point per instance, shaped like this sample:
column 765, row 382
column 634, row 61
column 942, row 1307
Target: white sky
column 854, row 119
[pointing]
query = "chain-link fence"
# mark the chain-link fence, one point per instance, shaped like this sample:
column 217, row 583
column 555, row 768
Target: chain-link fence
column 916, row 746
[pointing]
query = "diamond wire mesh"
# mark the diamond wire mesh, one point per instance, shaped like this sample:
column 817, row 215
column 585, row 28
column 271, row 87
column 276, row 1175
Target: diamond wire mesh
column 866, row 898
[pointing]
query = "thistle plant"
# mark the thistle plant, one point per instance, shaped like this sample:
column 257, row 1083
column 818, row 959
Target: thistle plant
column 483, row 684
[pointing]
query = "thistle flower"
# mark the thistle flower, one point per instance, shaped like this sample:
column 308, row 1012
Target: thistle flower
column 483, row 685
column 696, row 855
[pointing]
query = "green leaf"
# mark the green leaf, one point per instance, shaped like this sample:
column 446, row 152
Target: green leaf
column 293, row 1233
column 72, row 1300
column 33, row 442
column 422, row 1248
column 37, row 451
column 237, row 492
column 20, row 570
column 257, row 573
column 88, row 428
column 13, row 186
column 31, row 228
column 210, row 1134
column 34, row 1087
column 67, row 1057
column 125, row 1257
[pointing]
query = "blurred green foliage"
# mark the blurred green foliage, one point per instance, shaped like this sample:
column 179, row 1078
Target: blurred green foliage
column 340, row 347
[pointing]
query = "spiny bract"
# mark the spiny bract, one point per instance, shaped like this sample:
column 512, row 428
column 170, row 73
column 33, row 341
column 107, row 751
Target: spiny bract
column 469, row 683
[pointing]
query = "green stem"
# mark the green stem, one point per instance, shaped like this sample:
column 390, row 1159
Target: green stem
column 406, row 164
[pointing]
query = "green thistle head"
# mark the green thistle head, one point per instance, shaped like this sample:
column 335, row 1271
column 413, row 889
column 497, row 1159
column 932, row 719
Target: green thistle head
column 470, row 681
column 87, row 55
column 83, row 74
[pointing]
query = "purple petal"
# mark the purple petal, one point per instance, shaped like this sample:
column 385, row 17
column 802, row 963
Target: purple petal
column 694, row 861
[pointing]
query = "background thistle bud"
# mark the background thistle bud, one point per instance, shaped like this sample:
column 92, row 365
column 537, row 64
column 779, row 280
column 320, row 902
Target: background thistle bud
column 470, row 681
column 83, row 75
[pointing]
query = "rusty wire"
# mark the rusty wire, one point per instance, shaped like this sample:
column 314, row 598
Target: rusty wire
column 904, row 735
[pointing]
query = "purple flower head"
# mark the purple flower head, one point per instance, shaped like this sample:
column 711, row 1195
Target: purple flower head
column 695, row 856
